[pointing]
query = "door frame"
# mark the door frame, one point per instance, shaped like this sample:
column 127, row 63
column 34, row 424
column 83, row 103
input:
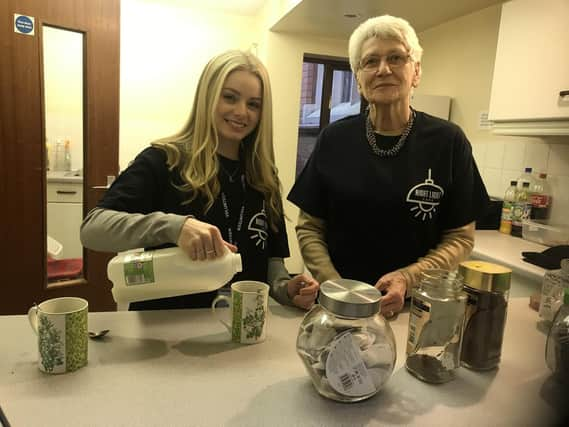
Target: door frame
column 22, row 145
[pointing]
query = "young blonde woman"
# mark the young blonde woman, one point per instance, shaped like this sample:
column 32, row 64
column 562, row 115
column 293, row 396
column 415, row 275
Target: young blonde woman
column 211, row 187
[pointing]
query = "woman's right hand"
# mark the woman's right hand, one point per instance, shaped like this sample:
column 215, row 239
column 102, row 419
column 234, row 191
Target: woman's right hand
column 202, row 241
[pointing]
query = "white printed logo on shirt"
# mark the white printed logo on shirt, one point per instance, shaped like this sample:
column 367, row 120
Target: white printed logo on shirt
column 425, row 197
column 258, row 226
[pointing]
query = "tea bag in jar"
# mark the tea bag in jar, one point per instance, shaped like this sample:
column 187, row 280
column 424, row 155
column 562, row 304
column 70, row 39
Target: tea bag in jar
column 435, row 326
column 347, row 347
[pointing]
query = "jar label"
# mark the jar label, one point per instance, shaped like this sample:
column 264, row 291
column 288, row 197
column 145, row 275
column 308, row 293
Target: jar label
column 138, row 268
column 418, row 318
column 345, row 369
column 540, row 200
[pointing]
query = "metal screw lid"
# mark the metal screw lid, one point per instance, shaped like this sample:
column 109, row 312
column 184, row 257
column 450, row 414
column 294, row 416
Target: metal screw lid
column 485, row 276
column 349, row 298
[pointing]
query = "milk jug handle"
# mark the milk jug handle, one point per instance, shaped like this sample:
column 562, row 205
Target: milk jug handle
column 216, row 314
column 33, row 317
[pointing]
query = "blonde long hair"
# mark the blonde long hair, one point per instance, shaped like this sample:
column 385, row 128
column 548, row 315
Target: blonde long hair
column 193, row 149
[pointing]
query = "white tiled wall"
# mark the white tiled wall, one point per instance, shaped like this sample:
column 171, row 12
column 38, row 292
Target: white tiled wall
column 500, row 162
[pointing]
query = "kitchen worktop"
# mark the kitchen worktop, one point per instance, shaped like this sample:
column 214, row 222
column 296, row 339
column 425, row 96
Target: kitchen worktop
column 65, row 176
column 179, row 368
column 499, row 248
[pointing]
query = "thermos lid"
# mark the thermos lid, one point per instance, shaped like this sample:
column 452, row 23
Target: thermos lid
column 349, row 298
column 485, row 276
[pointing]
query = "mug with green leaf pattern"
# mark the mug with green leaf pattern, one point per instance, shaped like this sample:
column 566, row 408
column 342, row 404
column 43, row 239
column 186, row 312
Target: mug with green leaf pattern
column 61, row 327
column 249, row 301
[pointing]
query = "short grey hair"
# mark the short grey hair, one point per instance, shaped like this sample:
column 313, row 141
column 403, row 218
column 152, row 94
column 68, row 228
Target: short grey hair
column 385, row 27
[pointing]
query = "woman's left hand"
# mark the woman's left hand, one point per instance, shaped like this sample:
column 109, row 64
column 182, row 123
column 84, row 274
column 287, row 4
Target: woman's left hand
column 396, row 286
column 302, row 290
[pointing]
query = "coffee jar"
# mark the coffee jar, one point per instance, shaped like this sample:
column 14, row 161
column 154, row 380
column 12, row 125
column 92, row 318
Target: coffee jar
column 487, row 286
column 435, row 326
column 346, row 345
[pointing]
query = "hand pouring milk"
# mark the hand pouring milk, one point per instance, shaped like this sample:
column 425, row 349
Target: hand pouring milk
column 162, row 273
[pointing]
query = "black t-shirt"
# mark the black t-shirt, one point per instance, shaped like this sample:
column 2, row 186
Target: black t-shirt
column 147, row 186
column 383, row 213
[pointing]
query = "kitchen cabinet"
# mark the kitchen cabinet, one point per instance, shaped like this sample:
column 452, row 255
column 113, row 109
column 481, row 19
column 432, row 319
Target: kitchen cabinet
column 531, row 70
column 64, row 216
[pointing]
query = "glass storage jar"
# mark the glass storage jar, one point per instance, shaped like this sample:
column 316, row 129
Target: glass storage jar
column 557, row 345
column 435, row 326
column 487, row 286
column 346, row 345
column 554, row 282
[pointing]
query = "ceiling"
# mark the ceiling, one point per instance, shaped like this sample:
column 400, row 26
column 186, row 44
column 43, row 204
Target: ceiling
column 326, row 18
column 237, row 7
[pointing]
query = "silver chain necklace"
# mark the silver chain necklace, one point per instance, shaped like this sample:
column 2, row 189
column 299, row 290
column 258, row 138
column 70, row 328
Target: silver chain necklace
column 231, row 176
column 370, row 134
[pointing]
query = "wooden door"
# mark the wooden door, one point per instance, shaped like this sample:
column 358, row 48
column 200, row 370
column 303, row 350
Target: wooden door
column 23, row 251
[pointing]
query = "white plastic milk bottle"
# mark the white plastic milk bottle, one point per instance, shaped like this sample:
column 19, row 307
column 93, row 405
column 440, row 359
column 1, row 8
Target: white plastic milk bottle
column 162, row 273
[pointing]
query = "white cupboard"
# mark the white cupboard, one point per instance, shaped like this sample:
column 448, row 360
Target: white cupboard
column 531, row 70
column 64, row 216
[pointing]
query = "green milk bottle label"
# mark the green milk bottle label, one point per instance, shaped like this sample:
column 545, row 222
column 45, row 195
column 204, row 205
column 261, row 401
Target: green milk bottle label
column 138, row 268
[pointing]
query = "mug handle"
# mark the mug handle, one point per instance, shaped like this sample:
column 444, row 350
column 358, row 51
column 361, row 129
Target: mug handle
column 213, row 307
column 33, row 317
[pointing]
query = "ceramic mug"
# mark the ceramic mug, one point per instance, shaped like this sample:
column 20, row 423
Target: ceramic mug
column 61, row 327
column 249, row 301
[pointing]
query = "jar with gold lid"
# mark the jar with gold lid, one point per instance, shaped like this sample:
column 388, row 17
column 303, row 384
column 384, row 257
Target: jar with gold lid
column 487, row 286
column 346, row 345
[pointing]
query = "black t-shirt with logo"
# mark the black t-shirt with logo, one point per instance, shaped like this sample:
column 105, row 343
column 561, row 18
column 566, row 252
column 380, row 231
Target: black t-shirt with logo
column 147, row 186
column 383, row 213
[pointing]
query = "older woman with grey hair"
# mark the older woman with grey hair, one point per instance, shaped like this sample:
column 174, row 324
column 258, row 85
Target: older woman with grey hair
column 391, row 192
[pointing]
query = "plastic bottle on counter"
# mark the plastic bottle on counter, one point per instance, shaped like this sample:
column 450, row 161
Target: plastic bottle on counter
column 170, row 272
column 557, row 345
column 507, row 206
column 526, row 176
column 521, row 209
column 540, row 198
column 67, row 156
column 59, row 155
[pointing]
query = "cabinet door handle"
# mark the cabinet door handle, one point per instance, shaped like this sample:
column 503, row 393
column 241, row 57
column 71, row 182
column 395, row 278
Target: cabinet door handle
column 564, row 93
column 66, row 192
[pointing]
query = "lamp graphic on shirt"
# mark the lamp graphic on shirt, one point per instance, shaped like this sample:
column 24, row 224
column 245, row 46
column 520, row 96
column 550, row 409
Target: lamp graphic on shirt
column 425, row 197
column 258, row 225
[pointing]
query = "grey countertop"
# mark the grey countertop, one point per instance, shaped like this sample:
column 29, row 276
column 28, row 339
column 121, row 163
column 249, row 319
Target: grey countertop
column 65, row 177
column 179, row 368
column 499, row 248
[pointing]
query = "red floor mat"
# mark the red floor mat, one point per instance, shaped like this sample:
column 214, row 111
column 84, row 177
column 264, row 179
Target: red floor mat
column 69, row 268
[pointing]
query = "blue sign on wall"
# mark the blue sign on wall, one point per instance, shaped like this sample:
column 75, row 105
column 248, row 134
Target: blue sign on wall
column 24, row 24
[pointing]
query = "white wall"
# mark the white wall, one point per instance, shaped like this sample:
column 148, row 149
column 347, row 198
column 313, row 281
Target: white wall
column 164, row 47
column 459, row 62
column 283, row 56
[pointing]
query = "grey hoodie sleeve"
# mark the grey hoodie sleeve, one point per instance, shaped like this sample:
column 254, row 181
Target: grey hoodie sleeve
column 108, row 230
column 278, row 277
